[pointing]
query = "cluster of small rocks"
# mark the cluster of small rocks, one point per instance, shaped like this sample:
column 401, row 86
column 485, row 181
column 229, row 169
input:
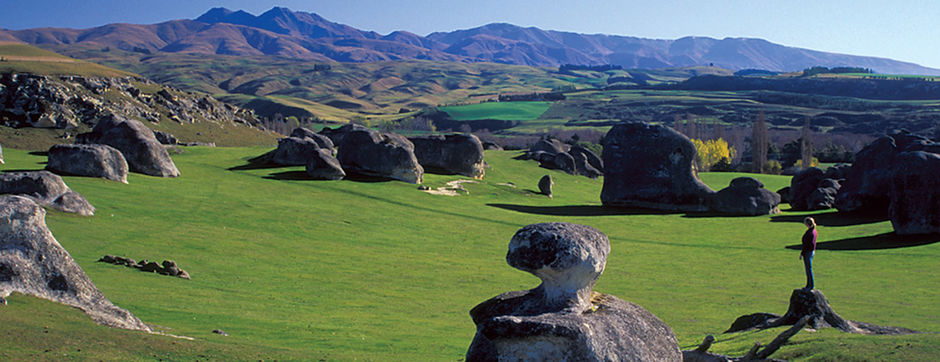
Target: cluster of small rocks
column 556, row 155
column 168, row 267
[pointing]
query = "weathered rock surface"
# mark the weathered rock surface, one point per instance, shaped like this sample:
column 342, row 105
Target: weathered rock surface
column 545, row 185
column 549, row 145
column 165, row 138
column 562, row 318
column 589, row 155
column 650, row 166
column 321, row 140
column 556, row 155
column 88, row 160
column 32, row 262
column 812, row 304
column 746, row 196
column 46, row 189
column 364, row 151
column 867, row 186
column 563, row 161
column 460, row 154
column 915, row 193
column 492, row 146
column 294, row 151
column 323, row 166
column 144, row 154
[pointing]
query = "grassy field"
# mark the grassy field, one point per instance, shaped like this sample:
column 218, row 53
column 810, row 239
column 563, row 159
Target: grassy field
column 23, row 58
column 342, row 270
column 511, row 111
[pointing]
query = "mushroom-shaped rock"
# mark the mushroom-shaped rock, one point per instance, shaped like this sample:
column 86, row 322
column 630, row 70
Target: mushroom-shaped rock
column 746, row 196
column 88, row 160
column 323, row 166
column 562, row 318
column 545, row 185
column 650, row 166
column 915, row 193
column 136, row 142
column 47, row 189
column 294, row 151
column 452, row 154
column 321, row 140
column 32, row 262
column 364, row 151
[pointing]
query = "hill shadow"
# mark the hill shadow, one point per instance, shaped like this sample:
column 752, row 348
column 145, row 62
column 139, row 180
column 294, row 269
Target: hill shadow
column 577, row 210
column 834, row 218
column 875, row 242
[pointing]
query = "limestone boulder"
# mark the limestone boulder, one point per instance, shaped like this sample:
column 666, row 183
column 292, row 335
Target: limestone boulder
column 650, row 166
column 321, row 140
column 549, row 145
column 545, row 185
column 563, row 318
column 294, row 151
column 915, row 193
column 460, row 154
column 165, row 138
column 144, row 154
column 46, row 189
column 323, row 166
column 563, row 161
column 867, row 185
column 32, row 262
column 92, row 160
column 589, row 155
column 746, row 196
column 811, row 190
column 364, row 151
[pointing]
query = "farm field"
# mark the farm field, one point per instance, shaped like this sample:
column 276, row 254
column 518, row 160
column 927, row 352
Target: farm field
column 340, row 270
column 511, row 111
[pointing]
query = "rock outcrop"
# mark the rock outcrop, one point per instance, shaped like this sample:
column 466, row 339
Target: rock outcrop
column 867, row 186
column 650, row 166
column 460, row 154
column 32, row 262
column 915, row 193
column 556, row 155
column 563, row 318
column 746, row 196
column 364, row 151
column 46, row 189
column 323, row 166
column 165, row 138
column 144, row 154
column 88, row 160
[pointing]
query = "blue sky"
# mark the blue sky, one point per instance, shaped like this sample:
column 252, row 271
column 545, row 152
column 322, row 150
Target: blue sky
column 907, row 30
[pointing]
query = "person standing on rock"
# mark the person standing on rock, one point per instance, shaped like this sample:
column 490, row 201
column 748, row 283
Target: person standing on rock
column 809, row 249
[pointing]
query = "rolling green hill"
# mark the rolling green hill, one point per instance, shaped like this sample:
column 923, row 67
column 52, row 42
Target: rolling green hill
column 24, row 58
column 339, row 270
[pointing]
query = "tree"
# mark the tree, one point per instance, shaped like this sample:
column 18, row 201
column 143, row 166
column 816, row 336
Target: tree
column 759, row 140
column 806, row 144
column 712, row 152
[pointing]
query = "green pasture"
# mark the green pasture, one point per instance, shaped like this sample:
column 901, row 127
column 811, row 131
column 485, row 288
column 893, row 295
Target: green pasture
column 363, row 270
column 511, row 111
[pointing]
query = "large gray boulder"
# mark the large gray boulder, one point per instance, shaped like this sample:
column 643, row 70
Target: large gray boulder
column 563, row 318
column 321, row 140
column 915, row 193
column 811, row 190
column 88, row 160
column 746, row 196
column 323, row 166
column 32, row 262
column 364, row 151
column 47, row 189
column 867, row 185
column 650, row 166
column 460, row 154
column 549, row 145
column 144, row 154
column 294, row 151
column 591, row 157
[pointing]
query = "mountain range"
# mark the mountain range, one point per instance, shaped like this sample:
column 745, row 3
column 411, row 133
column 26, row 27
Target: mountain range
column 300, row 35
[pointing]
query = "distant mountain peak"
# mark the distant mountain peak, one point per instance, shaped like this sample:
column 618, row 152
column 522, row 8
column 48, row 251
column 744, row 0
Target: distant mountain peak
column 283, row 32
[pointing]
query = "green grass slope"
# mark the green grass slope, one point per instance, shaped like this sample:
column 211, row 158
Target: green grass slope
column 300, row 269
column 512, row 111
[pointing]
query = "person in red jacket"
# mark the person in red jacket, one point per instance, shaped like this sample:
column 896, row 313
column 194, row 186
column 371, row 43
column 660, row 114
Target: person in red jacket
column 809, row 249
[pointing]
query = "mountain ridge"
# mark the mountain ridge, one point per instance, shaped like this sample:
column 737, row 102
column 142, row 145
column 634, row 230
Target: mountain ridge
column 302, row 35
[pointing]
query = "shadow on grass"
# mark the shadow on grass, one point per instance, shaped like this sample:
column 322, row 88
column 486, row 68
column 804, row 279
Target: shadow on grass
column 258, row 163
column 875, row 242
column 39, row 153
column 834, row 218
column 302, row 176
column 577, row 210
